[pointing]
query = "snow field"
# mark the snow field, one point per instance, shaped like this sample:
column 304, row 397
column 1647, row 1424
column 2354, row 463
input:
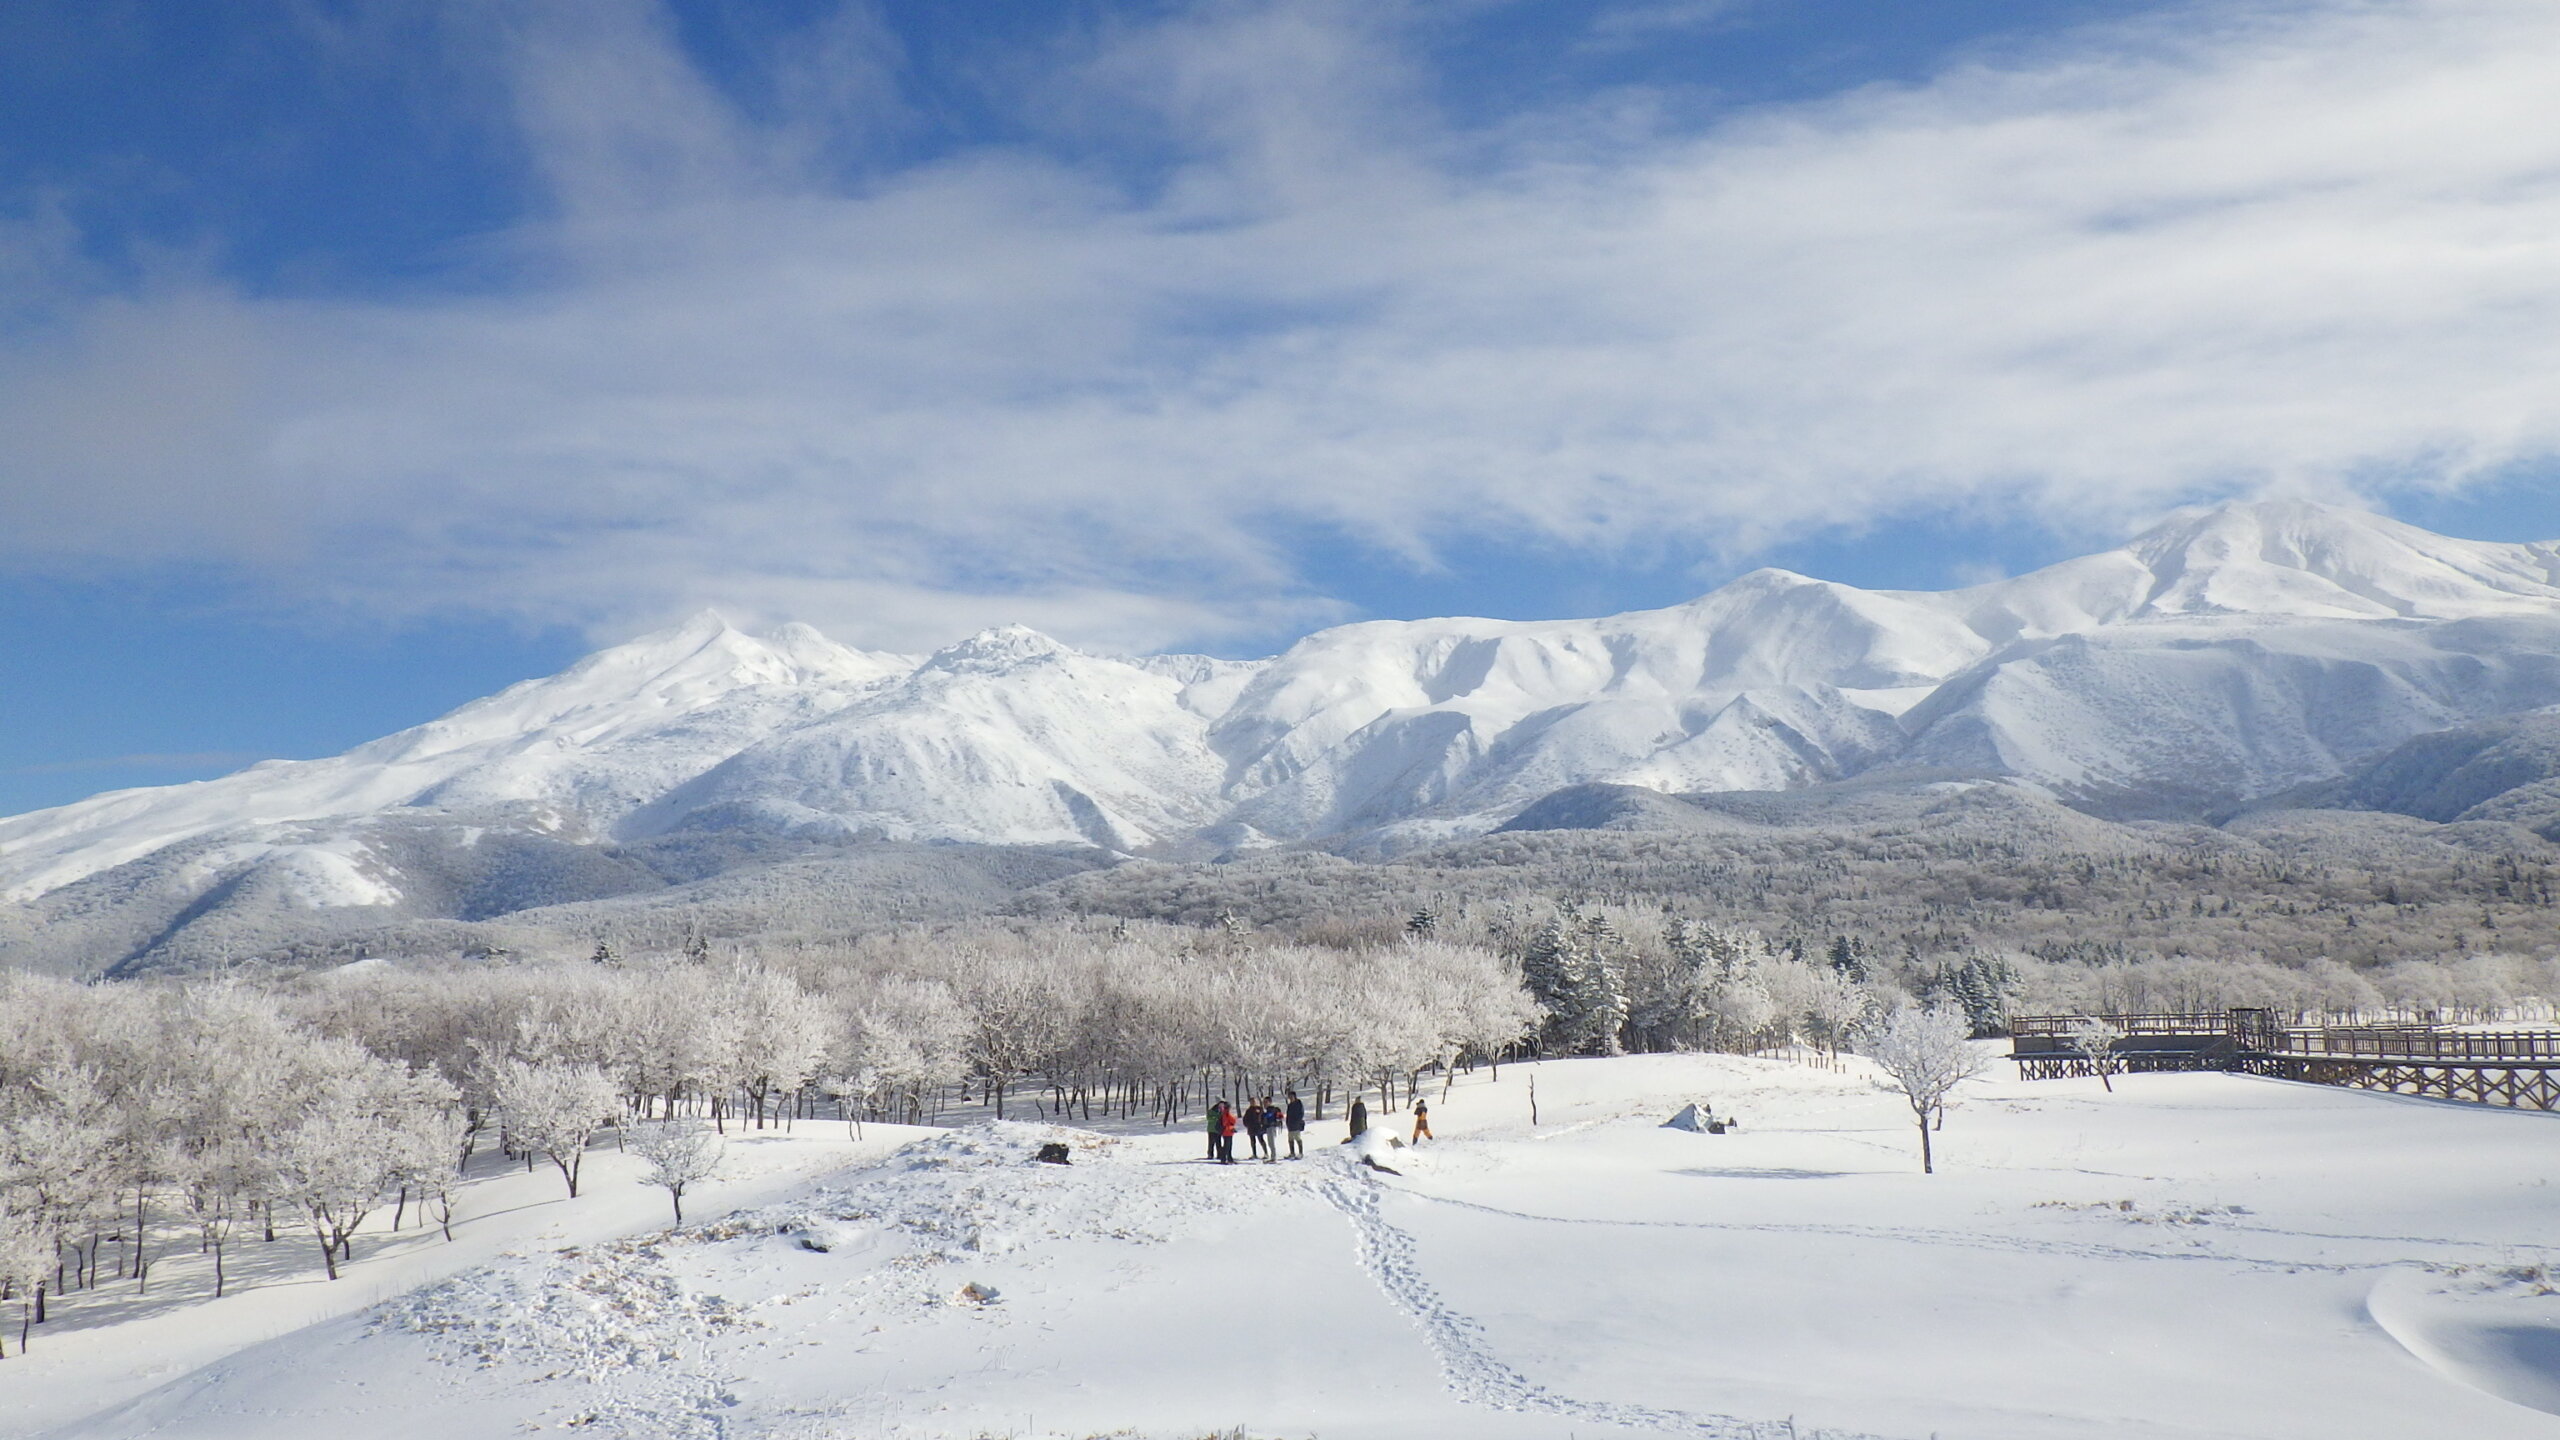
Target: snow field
column 2192, row 1256
column 106, row 1346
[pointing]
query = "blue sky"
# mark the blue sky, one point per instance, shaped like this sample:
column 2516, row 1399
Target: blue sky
column 358, row 359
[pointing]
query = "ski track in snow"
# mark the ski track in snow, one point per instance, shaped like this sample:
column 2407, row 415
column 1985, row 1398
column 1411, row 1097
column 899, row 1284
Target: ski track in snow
column 1475, row 1375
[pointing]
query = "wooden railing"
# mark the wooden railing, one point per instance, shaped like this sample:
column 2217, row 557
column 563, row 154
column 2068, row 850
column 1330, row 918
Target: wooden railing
column 2417, row 1042
column 2204, row 1022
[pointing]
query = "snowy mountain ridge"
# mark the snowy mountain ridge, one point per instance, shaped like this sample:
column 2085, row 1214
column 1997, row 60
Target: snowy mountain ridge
column 2224, row 655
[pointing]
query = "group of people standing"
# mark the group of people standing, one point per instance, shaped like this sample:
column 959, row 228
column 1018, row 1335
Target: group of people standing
column 1263, row 1123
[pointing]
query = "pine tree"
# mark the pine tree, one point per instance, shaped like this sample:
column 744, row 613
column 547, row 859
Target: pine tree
column 1546, row 968
column 1848, row 957
column 1592, row 1019
column 1983, row 986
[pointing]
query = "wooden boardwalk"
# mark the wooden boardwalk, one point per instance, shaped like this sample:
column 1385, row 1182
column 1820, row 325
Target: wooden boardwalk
column 2519, row 1068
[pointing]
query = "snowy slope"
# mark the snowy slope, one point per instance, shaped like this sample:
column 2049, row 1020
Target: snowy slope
column 574, row 752
column 2227, row 655
column 1008, row 737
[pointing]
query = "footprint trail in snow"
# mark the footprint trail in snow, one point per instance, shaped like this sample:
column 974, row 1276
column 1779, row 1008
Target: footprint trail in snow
column 1476, row 1375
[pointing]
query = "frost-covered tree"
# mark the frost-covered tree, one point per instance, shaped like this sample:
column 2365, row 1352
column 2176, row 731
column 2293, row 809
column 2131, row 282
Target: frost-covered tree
column 354, row 1126
column 1018, row 1015
column 779, row 1036
column 904, row 1040
column 678, row 1155
column 27, row 1258
column 2096, row 1039
column 1927, row 1053
column 553, row 1109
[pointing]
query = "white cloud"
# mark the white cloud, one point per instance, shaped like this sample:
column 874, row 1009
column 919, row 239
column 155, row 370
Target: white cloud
column 2313, row 247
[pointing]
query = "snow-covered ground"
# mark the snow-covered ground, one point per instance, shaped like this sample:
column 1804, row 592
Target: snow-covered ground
column 105, row 1347
column 2194, row 1255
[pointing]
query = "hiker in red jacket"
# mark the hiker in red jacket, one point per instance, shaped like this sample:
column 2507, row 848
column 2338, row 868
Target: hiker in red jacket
column 1226, row 1133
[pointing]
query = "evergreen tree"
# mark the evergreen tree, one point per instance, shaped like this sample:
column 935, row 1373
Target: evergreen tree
column 1596, row 996
column 1849, row 957
column 1574, row 967
column 1983, row 987
column 1546, row 968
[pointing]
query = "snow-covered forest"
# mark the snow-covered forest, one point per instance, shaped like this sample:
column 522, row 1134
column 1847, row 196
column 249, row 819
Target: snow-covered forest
column 1927, row 873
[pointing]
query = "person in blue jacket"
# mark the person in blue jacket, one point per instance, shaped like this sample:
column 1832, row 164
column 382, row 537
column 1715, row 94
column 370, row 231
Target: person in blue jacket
column 1296, row 1121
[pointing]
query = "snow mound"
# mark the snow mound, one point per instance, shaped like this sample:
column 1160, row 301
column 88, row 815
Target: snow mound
column 585, row 1312
column 1692, row 1118
column 2497, row 1332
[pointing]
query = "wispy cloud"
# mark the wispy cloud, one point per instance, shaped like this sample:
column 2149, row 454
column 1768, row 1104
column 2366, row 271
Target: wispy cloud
column 2303, row 246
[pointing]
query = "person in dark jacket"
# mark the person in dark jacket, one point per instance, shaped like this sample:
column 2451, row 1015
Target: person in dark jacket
column 1216, row 1112
column 1257, row 1128
column 1296, row 1121
column 1421, row 1121
column 1359, row 1117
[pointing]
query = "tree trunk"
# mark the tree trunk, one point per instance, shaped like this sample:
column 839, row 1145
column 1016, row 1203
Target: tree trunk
column 141, row 1238
column 1928, row 1163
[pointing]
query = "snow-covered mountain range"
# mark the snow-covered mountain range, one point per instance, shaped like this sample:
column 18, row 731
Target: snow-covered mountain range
column 2227, row 655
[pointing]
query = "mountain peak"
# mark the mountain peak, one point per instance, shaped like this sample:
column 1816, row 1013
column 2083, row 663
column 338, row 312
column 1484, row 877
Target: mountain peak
column 2285, row 527
column 2300, row 557
column 998, row 648
column 672, row 643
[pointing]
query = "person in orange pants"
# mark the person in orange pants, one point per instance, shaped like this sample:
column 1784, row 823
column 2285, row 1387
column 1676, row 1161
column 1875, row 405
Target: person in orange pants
column 1421, row 1121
